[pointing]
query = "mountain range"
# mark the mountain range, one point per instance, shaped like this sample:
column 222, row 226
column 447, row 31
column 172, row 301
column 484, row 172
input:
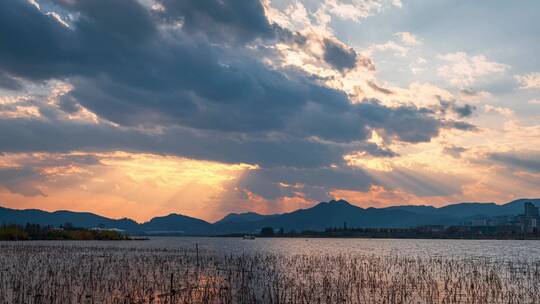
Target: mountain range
column 318, row 217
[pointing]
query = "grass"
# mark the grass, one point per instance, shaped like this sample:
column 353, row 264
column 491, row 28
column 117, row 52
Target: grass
column 64, row 274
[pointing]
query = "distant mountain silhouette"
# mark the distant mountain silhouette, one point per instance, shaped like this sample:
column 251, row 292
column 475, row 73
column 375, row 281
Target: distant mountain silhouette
column 243, row 217
column 338, row 213
column 176, row 224
column 468, row 210
column 57, row 218
column 318, row 217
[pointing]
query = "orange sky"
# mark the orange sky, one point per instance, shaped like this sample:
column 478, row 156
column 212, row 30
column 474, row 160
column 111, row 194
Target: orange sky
column 141, row 186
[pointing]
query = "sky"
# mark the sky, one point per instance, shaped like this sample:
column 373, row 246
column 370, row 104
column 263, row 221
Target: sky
column 141, row 108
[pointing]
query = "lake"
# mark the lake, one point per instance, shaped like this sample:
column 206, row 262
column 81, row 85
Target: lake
column 505, row 250
column 270, row 270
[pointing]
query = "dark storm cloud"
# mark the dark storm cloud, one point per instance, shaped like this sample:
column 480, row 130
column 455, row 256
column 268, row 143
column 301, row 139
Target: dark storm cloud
column 106, row 35
column 8, row 82
column 406, row 123
column 19, row 135
column 528, row 161
column 462, row 111
column 210, row 98
column 245, row 97
column 23, row 135
column 118, row 21
column 30, row 41
column 465, row 110
column 338, row 56
column 229, row 21
column 461, row 125
column 69, row 105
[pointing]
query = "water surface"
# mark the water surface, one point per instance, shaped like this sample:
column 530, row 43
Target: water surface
column 504, row 250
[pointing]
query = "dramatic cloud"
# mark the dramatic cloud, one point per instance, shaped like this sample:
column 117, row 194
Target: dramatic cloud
column 462, row 111
column 198, row 93
column 339, row 56
column 8, row 82
column 23, row 135
column 465, row 110
column 270, row 87
column 229, row 21
column 527, row 161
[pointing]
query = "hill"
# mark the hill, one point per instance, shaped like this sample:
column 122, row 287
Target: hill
column 338, row 213
column 57, row 218
column 321, row 216
column 468, row 210
column 243, row 218
column 176, row 224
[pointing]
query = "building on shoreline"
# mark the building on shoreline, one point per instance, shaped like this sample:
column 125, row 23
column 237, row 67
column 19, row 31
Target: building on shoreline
column 523, row 226
column 530, row 218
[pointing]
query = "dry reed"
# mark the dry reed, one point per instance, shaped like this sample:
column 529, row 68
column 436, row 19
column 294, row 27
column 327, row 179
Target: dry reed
column 66, row 274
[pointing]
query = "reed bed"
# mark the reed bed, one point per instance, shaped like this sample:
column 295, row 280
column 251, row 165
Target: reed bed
column 67, row 274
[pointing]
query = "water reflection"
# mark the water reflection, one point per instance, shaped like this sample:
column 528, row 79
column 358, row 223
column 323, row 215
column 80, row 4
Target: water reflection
column 504, row 250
